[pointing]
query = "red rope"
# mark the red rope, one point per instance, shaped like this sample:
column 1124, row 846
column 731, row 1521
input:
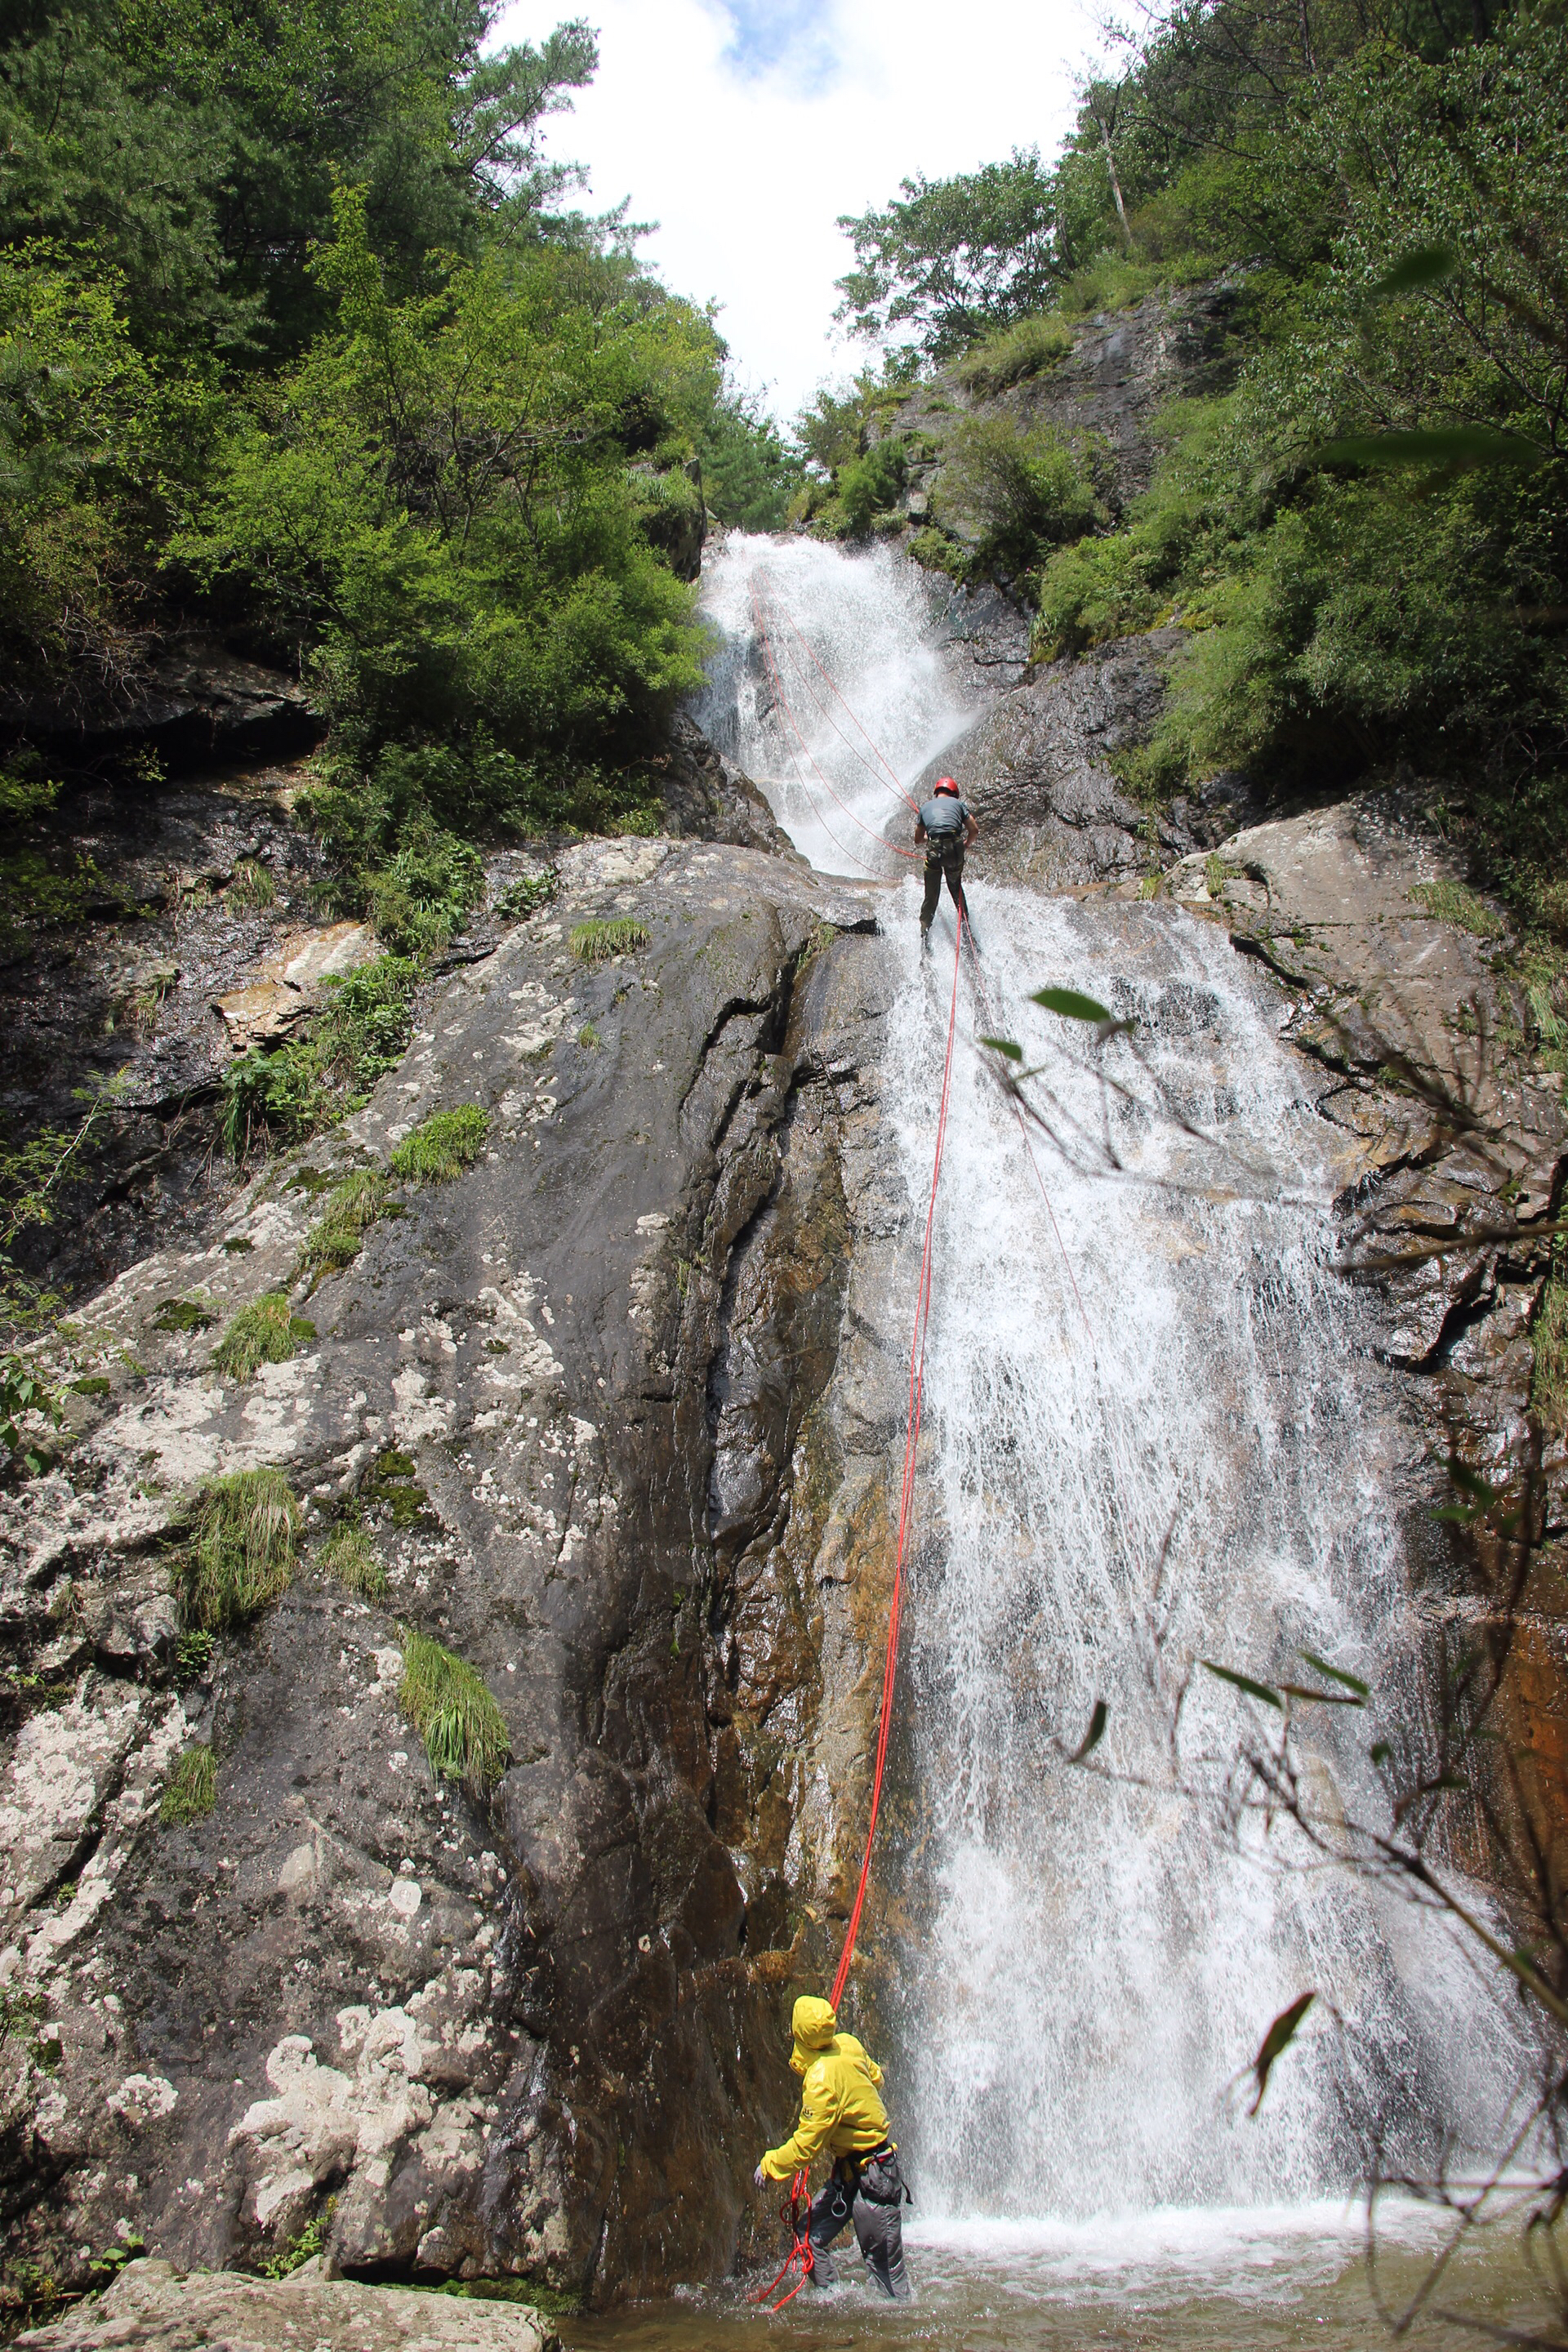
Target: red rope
column 881, row 840
column 800, row 2249
column 906, row 1499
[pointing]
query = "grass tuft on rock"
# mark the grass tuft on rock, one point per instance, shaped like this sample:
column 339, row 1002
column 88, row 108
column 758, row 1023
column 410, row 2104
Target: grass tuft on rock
column 1025, row 348
column 251, row 889
column 349, row 1555
column 183, row 1315
column 461, row 1726
column 598, row 942
column 242, row 1549
column 1548, row 1347
column 192, row 1791
column 441, row 1145
column 353, row 1207
column 1448, row 901
column 265, row 1332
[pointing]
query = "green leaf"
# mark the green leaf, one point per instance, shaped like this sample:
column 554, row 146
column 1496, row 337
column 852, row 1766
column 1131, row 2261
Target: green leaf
column 1429, row 264
column 1323, row 1698
column 1279, row 2036
column 1070, row 1004
column 1004, row 1046
column 1460, row 447
column 1093, row 1735
column 1335, row 1673
column 1380, row 1751
column 1245, row 1683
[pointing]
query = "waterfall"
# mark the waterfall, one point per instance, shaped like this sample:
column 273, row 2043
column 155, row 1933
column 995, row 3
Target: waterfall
column 849, row 642
column 1184, row 1448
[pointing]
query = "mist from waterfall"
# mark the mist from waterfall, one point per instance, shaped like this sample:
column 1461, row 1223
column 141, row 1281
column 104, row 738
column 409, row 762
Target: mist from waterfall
column 1156, row 1433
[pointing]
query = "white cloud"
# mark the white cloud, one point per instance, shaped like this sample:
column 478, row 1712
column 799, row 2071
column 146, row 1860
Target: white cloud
column 745, row 127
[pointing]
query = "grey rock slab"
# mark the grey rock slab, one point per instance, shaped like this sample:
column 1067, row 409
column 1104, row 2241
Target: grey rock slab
column 1035, row 767
column 149, row 2308
column 582, row 1398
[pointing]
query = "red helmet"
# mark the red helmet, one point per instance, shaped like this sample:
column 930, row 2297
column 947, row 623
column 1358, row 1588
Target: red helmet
column 946, row 785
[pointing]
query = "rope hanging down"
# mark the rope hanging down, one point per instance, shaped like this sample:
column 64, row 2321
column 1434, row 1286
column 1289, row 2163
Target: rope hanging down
column 800, row 2250
column 905, row 1498
column 878, row 756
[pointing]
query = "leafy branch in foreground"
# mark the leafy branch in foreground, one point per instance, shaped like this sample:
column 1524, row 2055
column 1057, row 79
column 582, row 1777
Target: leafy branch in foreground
column 1470, row 1784
column 1135, row 1099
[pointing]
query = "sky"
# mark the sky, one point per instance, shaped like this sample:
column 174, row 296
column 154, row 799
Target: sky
column 745, row 127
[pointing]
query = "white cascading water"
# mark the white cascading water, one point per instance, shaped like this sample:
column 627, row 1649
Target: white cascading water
column 1188, row 1437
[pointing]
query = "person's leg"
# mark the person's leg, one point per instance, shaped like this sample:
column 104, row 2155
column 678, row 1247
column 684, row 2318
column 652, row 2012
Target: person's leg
column 952, row 867
column 933, row 892
column 829, row 2214
column 879, row 2229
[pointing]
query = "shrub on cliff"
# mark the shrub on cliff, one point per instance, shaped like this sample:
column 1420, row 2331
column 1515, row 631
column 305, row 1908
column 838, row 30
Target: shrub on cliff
column 310, row 1080
column 438, row 497
column 294, row 338
column 1027, row 487
column 1027, row 349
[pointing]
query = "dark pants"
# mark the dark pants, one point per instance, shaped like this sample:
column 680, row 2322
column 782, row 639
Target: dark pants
column 879, row 2222
column 951, row 862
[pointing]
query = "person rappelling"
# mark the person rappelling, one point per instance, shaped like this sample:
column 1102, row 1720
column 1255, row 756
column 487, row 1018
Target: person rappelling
column 946, row 829
column 842, row 2115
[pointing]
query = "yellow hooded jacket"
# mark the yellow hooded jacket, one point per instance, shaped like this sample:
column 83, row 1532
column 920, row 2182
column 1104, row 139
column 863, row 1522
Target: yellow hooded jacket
column 840, row 2113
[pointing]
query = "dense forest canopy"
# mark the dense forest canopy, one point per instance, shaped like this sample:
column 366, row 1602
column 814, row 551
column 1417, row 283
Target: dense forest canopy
column 1368, row 536
column 300, row 341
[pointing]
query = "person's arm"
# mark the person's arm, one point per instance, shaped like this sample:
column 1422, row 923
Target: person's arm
column 920, row 830
column 971, row 832
column 818, row 2113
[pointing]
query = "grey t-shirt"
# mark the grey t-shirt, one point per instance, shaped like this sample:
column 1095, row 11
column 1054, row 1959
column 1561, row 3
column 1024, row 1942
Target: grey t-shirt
column 944, row 818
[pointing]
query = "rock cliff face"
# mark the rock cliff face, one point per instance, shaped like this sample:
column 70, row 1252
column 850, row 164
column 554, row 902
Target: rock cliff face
column 612, row 1412
column 593, row 1403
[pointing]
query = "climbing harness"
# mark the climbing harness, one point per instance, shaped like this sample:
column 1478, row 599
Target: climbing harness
column 794, row 2216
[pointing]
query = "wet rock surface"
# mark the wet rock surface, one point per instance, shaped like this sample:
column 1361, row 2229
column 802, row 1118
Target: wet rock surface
column 593, row 1404
column 1404, row 991
column 1037, row 769
column 149, row 2308
column 198, row 893
column 188, row 694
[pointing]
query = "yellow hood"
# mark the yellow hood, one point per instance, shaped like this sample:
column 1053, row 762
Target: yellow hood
column 814, row 2025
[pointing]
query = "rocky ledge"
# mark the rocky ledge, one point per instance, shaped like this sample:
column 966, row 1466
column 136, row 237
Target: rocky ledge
column 149, row 2308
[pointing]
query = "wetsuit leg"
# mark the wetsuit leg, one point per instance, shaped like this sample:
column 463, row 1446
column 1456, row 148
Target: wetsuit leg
column 879, row 2229
column 952, row 867
column 830, row 2215
column 933, row 892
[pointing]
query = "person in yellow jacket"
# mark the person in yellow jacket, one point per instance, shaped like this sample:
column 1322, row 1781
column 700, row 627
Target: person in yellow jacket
column 842, row 2116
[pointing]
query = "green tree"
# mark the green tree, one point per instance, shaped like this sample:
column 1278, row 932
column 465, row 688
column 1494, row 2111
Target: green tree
column 948, row 261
